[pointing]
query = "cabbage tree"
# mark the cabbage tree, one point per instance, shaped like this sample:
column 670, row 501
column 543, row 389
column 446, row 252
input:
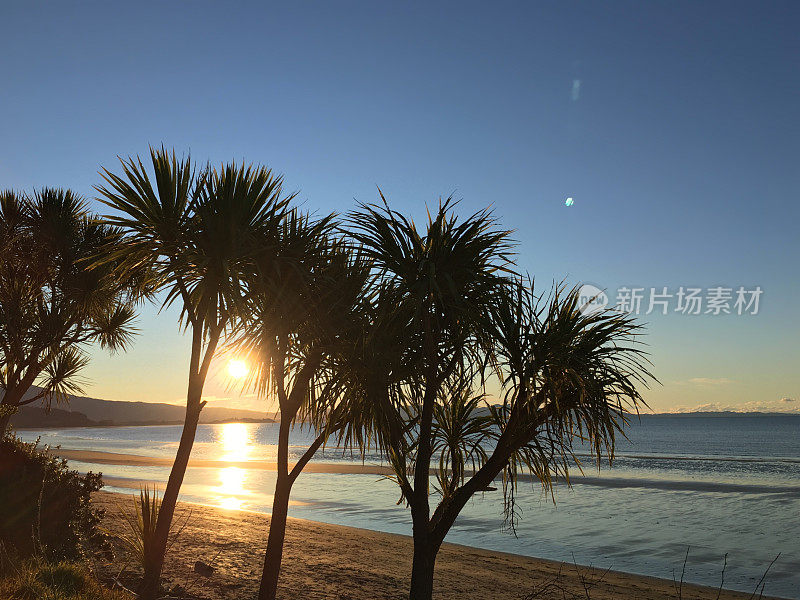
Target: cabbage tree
column 189, row 235
column 303, row 309
column 454, row 316
column 54, row 301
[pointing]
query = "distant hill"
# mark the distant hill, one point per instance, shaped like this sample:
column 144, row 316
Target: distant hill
column 36, row 417
column 84, row 411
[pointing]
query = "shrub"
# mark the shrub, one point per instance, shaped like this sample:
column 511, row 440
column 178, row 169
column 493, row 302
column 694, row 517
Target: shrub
column 44, row 506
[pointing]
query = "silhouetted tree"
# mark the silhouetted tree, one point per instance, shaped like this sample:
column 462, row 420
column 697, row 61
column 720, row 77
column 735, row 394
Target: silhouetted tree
column 455, row 316
column 192, row 235
column 304, row 299
column 53, row 301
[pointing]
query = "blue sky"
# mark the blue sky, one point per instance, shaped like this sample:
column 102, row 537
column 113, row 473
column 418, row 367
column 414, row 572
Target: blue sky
column 674, row 126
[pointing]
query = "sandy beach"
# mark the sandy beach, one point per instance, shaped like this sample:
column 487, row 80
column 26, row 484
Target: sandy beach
column 324, row 561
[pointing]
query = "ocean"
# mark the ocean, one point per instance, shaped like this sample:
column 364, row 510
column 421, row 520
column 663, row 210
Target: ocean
column 727, row 488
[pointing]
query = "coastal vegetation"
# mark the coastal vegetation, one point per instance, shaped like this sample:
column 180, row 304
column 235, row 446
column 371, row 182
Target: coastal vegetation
column 376, row 333
column 37, row 579
column 48, row 527
column 190, row 234
column 460, row 316
column 304, row 301
column 45, row 506
column 55, row 300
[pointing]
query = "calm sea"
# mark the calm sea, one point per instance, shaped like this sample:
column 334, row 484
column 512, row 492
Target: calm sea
column 715, row 485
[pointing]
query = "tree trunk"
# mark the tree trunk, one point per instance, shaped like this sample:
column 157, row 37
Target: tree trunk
column 154, row 559
column 10, row 401
column 5, row 419
column 425, row 550
column 277, row 535
column 198, row 370
column 280, row 509
column 14, row 394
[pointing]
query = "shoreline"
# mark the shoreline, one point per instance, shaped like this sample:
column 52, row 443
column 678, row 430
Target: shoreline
column 115, row 425
column 378, row 565
column 345, row 468
column 137, row 460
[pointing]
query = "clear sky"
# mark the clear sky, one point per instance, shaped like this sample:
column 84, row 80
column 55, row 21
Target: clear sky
column 674, row 126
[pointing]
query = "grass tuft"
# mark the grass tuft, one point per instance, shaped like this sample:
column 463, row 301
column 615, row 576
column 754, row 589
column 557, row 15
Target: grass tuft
column 141, row 524
column 36, row 579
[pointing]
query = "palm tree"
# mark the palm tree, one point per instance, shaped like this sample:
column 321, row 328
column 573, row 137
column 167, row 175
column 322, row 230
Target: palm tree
column 465, row 318
column 191, row 235
column 566, row 377
column 53, row 302
column 303, row 303
column 445, row 279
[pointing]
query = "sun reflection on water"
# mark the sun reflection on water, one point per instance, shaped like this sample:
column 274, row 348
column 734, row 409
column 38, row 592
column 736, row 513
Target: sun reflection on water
column 231, row 488
column 236, row 442
column 236, row 447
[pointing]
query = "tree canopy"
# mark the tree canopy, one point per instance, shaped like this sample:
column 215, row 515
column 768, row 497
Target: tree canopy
column 54, row 297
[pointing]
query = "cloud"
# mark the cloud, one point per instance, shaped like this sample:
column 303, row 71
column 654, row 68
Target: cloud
column 780, row 405
column 576, row 89
column 707, row 407
column 710, row 381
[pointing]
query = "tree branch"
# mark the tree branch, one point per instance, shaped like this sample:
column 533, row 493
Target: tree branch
column 307, row 456
column 38, row 396
column 193, row 319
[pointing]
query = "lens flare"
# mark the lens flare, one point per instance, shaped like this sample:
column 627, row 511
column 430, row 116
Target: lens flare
column 237, row 369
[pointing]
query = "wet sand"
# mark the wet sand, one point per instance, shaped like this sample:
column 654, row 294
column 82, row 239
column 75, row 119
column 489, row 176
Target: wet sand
column 135, row 460
column 344, row 563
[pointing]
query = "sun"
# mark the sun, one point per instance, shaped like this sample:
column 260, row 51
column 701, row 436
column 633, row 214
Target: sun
column 237, row 368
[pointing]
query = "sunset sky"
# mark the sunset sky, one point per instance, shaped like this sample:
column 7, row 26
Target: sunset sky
column 674, row 127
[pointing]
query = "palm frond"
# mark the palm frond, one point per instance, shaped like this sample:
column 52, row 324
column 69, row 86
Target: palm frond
column 61, row 376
